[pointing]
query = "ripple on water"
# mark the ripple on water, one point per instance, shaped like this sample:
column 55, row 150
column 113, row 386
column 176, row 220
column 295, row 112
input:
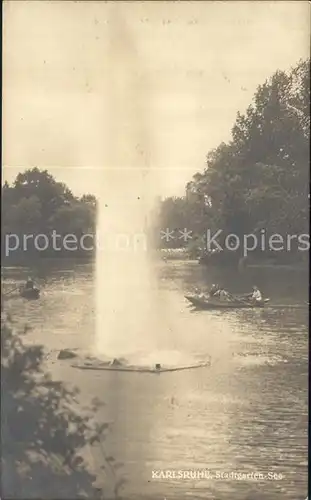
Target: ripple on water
column 249, row 360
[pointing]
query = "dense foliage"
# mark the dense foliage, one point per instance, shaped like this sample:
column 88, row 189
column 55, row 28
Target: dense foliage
column 44, row 433
column 259, row 181
column 37, row 204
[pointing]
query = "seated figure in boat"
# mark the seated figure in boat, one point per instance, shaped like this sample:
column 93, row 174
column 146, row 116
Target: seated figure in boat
column 200, row 294
column 214, row 289
column 222, row 294
column 256, row 295
column 29, row 284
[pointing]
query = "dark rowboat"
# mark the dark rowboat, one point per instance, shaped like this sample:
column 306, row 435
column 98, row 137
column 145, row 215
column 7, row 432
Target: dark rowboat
column 201, row 303
column 29, row 293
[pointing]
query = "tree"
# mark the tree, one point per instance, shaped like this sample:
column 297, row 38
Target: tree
column 52, row 194
column 89, row 199
column 77, row 218
column 260, row 179
column 37, row 204
column 25, row 215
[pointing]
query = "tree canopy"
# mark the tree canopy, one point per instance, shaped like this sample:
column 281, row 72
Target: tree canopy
column 38, row 204
column 260, row 179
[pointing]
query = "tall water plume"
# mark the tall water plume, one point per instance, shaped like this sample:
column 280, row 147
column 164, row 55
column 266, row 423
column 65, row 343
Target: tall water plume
column 125, row 287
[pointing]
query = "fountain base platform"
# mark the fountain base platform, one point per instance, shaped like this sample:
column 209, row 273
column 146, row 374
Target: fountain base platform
column 138, row 369
column 83, row 361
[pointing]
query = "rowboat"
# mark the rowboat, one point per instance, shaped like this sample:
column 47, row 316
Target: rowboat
column 202, row 303
column 29, row 293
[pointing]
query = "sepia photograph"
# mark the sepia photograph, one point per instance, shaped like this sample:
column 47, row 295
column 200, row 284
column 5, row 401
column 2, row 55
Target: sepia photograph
column 155, row 250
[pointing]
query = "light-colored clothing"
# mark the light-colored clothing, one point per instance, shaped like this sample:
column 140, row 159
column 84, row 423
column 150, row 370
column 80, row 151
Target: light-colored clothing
column 222, row 294
column 257, row 295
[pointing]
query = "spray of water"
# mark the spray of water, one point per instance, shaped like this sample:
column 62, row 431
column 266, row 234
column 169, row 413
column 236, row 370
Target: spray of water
column 133, row 322
column 125, row 286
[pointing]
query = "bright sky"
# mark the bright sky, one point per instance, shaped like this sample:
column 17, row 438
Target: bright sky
column 166, row 79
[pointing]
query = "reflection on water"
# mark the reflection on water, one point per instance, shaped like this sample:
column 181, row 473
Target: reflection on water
column 246, row 413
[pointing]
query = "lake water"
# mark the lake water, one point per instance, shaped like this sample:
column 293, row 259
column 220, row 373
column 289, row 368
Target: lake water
column 245, row 413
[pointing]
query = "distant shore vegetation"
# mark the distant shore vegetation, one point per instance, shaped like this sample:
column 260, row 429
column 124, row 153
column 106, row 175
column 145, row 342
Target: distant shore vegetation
column 37, row 204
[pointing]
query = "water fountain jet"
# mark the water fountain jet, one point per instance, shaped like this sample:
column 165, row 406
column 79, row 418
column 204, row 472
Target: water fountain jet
column 131, row 320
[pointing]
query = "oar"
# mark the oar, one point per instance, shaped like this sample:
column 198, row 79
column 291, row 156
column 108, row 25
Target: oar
column 14, row 289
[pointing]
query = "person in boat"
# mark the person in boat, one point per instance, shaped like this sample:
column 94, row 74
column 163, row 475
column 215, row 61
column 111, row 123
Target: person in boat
column 222, row 294
column 200, row 294
column 256, row 295
column 213, row 290
column 29, row 284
